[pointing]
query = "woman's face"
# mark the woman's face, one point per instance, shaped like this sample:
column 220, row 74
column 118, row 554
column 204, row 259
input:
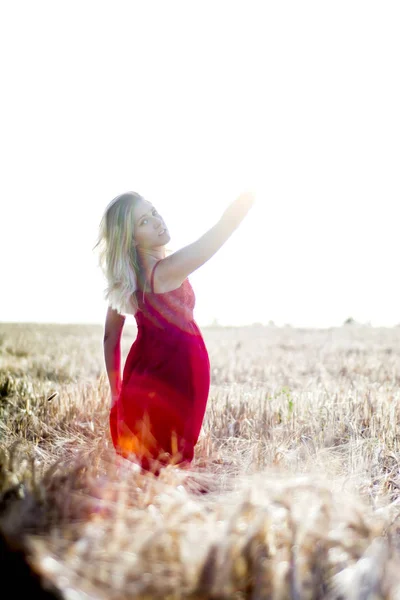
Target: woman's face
column 150, row 229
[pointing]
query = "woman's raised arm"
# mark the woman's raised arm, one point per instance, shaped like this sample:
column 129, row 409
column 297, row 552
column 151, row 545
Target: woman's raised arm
column 174, row 269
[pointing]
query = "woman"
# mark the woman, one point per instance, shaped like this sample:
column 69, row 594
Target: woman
column 157, row 409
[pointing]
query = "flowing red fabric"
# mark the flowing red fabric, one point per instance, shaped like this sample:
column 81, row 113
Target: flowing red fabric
column 159, row 413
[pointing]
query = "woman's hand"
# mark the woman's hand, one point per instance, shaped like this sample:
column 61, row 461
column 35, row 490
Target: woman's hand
column 238, row 209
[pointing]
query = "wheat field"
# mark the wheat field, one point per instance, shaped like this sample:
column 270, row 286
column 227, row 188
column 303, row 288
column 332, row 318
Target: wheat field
column 294, row 491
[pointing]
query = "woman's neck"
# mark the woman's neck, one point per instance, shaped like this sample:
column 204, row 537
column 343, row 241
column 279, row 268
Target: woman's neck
column 147, row 257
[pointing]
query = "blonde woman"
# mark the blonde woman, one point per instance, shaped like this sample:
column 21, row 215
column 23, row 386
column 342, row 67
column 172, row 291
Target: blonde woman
column 158, row 406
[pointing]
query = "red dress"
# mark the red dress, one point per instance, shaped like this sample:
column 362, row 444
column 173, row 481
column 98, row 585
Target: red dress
column 166, row 380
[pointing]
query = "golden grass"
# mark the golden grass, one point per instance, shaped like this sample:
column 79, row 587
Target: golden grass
column 293, row 493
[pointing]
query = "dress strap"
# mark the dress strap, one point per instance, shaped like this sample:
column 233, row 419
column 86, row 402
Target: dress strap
column 152, row 277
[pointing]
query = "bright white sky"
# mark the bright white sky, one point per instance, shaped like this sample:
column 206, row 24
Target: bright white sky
column 190, row 103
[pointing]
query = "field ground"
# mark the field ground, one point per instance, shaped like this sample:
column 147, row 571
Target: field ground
column 294, row 491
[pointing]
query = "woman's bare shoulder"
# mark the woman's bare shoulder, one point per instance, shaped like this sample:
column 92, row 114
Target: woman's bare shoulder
column 164, row 280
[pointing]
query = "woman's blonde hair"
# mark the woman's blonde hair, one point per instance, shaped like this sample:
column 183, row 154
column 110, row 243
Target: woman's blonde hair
column 117, row 253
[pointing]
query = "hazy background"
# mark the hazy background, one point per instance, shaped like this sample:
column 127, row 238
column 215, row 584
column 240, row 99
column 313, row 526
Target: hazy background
column 190, row 103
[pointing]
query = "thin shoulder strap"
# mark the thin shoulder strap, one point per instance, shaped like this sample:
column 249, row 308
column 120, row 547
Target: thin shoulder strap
column 152, row 277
